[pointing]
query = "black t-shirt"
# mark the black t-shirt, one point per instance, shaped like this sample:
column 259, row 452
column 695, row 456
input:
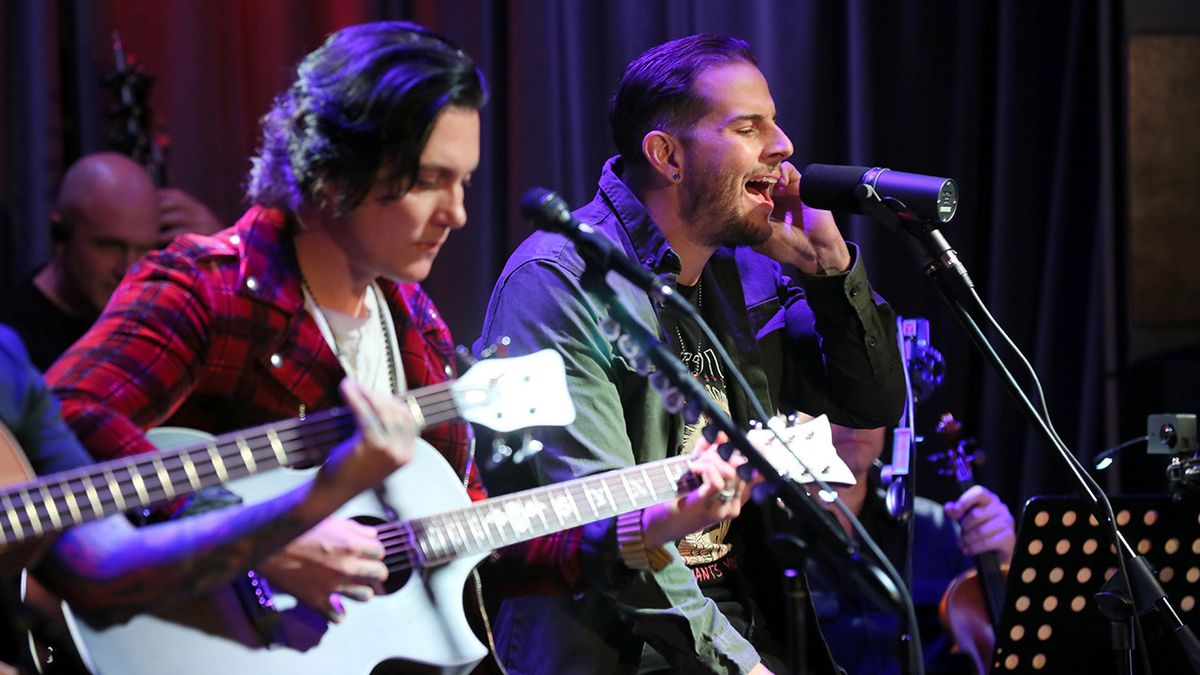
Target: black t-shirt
column 46, row 330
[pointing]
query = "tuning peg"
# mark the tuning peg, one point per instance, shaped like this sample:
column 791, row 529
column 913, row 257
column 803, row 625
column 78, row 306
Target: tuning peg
column 710, row 432
column 725, row 450
column 465, row 358
column 827, row 496
column 499, row 348
column 691, row 412
column 530, row 446
column 501, row 451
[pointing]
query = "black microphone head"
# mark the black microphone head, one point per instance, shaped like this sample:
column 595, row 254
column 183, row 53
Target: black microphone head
column 546, row 207
column 832, row 187
column 909, row 195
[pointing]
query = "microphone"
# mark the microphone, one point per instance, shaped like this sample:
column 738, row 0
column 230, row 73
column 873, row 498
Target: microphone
column 912, row 195
column 550, row 211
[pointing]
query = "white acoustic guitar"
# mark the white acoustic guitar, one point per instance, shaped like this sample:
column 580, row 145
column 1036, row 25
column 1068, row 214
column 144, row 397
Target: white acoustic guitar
column 434, row 537
column 502, row 394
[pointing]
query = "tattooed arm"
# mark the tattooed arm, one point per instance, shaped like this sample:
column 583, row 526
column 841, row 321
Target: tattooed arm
column 110, row 570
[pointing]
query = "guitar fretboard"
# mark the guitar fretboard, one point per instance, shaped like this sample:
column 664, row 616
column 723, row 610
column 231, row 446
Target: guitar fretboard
column 510, row 519
column 72, row 497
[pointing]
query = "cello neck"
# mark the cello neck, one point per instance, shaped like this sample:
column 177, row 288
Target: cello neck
column 991, row 575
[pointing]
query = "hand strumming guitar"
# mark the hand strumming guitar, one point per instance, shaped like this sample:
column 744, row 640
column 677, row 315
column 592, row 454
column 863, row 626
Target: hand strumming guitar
column 339, row 556
column 804, row 237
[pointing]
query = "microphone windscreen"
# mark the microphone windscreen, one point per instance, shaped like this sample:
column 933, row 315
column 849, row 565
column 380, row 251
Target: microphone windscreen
column 831, row 186
column 535, row 202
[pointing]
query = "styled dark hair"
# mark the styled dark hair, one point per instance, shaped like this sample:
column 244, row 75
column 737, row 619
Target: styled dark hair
column 365, row 100
column 656, row 90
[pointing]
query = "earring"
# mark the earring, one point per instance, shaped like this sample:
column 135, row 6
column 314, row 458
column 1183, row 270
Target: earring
column 675, row 176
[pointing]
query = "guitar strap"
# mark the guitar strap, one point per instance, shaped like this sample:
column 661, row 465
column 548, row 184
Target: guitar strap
column 40, row 640
column 14, row 625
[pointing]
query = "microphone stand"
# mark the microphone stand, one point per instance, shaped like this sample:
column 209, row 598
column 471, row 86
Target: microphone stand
column 879, row 575
column 1134, row 590
column 901, row 494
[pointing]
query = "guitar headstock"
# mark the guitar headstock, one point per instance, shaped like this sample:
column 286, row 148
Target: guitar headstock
column 506, row 394
column 809, row 441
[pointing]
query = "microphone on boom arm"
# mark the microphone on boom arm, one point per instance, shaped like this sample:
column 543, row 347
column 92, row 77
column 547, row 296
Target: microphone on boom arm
column 550, row 211
column 910, row 196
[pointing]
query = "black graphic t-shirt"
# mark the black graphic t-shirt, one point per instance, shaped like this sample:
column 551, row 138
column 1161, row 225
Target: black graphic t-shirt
column 711, row 544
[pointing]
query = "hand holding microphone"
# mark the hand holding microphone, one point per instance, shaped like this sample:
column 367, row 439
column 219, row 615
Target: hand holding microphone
column 802, row 236
column 920, row 202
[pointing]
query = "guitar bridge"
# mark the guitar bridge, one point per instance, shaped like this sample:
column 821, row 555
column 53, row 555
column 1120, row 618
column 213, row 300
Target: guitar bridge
column 254, row 594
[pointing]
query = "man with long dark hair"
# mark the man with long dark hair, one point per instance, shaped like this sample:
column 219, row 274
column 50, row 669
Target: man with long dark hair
column 108, row 570
column 359, row 181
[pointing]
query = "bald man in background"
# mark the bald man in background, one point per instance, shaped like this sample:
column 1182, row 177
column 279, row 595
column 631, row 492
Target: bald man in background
column 108, row 213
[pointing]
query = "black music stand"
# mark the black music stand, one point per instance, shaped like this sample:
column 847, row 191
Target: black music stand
column 1051, row 623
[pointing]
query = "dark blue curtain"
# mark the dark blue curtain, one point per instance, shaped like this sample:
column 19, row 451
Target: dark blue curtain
column 1018, row 101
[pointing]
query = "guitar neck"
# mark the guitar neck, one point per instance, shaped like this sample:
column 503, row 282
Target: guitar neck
column 50, row 504
column 521, row 516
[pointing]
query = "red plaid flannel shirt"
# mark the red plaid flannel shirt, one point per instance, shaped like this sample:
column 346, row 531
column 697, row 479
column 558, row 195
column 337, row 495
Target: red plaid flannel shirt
column 211, row 333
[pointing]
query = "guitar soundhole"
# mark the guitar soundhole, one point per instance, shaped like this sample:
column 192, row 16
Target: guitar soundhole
column 395, row 542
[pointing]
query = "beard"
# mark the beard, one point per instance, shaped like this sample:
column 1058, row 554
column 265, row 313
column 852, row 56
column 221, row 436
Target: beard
column 713, row 205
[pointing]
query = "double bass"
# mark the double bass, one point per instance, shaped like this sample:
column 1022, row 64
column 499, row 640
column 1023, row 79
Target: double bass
column 971, row 605
column 134, row 132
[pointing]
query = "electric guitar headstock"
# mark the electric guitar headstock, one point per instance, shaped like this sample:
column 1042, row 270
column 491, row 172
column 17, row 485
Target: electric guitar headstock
column 791, row 445
column 515, row 392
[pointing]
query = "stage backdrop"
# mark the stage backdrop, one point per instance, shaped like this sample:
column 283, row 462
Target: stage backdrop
column 1020, row 102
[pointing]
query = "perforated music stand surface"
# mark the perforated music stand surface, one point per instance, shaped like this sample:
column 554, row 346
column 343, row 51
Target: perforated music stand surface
column 1050, row 622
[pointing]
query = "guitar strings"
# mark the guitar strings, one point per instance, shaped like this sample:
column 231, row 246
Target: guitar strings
column 436, row 407
column 401, row 552
column 119, row 473
column 323, row 429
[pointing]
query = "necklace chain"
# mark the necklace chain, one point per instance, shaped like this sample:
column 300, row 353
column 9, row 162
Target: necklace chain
column 380, row 308
column 695, row 361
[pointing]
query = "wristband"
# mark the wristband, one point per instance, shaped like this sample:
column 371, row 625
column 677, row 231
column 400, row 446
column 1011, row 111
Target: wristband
column 632, row 545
